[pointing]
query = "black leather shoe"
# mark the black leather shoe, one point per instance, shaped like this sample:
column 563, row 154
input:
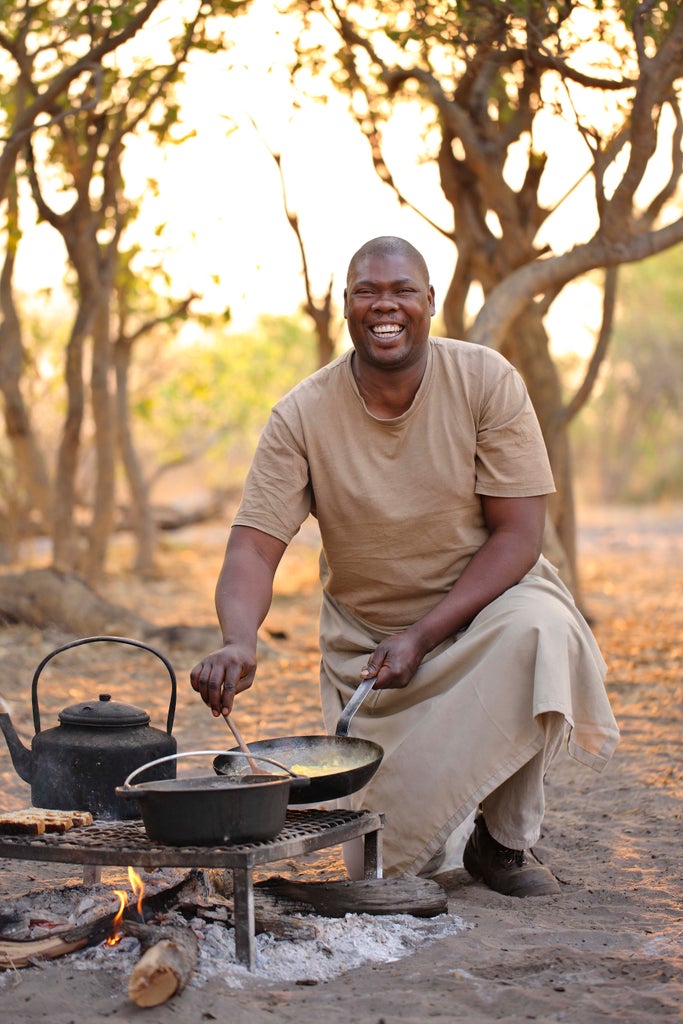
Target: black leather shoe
column 510, row 872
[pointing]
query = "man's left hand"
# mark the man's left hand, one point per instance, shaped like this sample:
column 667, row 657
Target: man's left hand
column 394, row 661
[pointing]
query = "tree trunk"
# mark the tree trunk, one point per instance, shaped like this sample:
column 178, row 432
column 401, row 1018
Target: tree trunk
column 322, row 318
column 527, row 348
column 141, row 510
column 102, row 520
column 46, row 598
column 64, row 553
column 31, row 493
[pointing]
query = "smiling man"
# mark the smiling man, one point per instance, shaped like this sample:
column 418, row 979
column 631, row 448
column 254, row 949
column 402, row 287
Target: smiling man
column 423, row 462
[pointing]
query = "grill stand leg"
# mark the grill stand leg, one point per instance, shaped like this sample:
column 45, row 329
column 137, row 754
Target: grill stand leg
column 243, row 891
column 372, row 855
column 92, row 874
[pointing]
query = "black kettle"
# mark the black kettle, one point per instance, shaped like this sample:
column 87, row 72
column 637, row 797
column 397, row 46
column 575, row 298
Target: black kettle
column 77, row 765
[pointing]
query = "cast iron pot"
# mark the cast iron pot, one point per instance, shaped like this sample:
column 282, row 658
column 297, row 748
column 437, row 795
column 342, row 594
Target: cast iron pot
column 212, row 810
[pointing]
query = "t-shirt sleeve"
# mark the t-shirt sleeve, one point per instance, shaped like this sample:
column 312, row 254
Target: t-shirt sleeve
column 511, row 457
column 277, row 491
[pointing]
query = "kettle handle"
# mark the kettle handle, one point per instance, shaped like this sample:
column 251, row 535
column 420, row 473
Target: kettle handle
column 97, row 639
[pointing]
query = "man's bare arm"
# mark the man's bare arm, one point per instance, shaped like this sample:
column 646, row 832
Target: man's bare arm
column 244, row 592
column 514, row 544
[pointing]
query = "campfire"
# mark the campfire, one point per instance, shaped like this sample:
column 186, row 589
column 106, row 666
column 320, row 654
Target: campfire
column 59, row 921
column 182, row 920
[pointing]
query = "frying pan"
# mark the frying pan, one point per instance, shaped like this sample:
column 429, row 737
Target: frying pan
column 336, row 765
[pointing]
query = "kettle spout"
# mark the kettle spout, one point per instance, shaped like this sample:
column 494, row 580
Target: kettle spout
column 22, row 757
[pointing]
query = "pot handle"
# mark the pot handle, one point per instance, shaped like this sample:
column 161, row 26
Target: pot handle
column 98, row 639
column 194, row 753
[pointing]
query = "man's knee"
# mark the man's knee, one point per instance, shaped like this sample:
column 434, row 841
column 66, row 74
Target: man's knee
column 531, row 615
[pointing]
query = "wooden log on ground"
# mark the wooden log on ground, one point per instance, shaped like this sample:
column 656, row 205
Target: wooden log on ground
column 46, row 598
column 167, row 964
column 404, row 894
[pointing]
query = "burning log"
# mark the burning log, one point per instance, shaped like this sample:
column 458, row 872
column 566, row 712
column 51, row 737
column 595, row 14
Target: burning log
column 169, row 959
column 22, row 953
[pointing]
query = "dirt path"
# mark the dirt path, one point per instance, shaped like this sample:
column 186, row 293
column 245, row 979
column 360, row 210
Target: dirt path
column 609, row 946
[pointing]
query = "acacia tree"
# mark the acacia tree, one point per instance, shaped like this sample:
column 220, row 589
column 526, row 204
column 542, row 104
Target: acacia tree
column 489, row 76
column 82, row 136
column 34, row 81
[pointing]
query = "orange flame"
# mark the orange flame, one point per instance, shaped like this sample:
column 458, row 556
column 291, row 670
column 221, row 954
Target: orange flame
column 138, row 887
column 117, row 932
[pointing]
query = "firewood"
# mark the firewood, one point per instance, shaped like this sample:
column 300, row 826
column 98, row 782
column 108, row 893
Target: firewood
column 14, row 955
column 404, row 894
column 167, row 964
column 271, row 915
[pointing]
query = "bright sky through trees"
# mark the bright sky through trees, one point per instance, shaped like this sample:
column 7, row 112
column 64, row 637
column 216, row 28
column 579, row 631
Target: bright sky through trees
column 225, row 235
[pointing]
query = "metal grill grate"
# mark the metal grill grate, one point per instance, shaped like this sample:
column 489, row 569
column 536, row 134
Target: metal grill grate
column 125, row 842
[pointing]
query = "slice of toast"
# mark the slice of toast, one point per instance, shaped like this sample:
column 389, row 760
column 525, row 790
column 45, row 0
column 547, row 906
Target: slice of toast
column 35, row 821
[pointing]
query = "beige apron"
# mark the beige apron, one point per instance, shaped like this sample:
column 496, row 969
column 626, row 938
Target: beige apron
column 469, row 718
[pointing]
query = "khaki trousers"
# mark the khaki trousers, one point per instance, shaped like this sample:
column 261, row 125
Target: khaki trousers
column 479, row 722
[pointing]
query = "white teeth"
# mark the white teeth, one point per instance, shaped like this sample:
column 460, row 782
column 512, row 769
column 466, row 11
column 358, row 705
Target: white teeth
column 387, row 330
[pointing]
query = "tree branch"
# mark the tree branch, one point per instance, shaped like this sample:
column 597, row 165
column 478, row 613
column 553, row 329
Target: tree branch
column 508, row 299
column 45, row 212
column 668, row 191
column 585, row 389
column 656, row 81
column 369, row 124
column 180, row 309
column 26, row 122
column 319, row 312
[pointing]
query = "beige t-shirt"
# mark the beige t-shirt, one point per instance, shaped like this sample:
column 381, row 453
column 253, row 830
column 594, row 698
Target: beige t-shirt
column 397, row 501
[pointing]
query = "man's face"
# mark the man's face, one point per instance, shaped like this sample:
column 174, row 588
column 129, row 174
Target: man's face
column 388, row 305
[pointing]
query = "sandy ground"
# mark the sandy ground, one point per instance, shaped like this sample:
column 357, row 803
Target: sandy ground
column 608, row 947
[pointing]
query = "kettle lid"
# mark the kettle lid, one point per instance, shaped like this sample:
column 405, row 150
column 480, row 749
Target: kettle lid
column 103, row 712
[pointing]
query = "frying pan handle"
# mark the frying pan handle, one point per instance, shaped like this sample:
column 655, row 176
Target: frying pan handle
column 359, row 695
column 194, row 753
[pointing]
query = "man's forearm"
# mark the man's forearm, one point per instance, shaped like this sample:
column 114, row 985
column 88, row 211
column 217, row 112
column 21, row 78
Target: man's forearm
column 498, row 565
column 244, row 590
column 511, row 550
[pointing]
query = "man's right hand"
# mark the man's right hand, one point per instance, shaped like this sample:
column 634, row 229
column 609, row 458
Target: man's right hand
column 222, row 674
column 243, row 594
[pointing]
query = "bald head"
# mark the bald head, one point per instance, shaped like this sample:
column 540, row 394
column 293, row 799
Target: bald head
column 390, row 245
